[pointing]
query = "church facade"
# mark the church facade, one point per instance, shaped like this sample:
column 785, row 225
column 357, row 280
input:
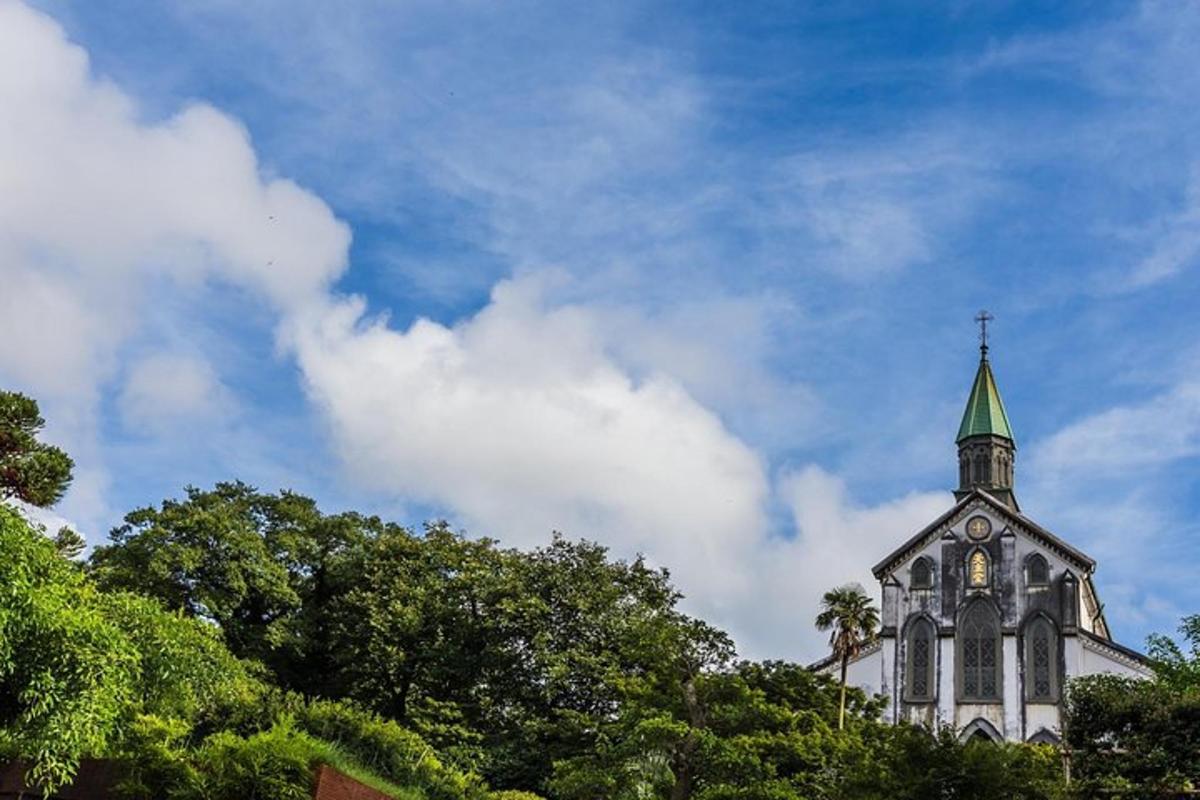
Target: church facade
column 985, row 614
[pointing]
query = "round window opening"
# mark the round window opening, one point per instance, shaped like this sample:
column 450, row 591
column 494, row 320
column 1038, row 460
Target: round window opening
column 979, row 528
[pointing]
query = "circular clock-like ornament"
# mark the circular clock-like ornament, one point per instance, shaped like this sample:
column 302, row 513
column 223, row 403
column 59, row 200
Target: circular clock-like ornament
column 979, row 528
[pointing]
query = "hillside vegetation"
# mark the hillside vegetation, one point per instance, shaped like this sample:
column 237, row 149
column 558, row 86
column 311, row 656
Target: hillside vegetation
column 224, row 643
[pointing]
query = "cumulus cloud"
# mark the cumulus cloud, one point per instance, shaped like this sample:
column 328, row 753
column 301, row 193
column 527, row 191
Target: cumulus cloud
column 98, row 207
column 536, row 413
column 837, row 542
column 520, row 422
column 95, row 204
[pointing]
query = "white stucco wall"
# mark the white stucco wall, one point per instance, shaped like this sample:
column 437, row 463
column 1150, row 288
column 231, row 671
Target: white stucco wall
column 1013, row 718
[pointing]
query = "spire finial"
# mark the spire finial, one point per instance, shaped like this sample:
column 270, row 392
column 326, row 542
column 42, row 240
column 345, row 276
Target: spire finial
column 983, row 318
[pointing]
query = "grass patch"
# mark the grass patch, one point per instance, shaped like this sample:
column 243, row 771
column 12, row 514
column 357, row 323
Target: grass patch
column 323, row 752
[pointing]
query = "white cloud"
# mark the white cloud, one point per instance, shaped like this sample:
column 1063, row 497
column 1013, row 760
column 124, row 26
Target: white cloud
column 1111, row 482
column 1176, row 240
column 837, row 542
column 534, row 414
column 519, row 421
column 95, row 204
column 873, row 209
column 1143, row 67
column 100, row 208
column 1161, row 429
column 166, row 389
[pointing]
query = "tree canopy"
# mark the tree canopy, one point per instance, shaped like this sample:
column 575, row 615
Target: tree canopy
column 30, row 471
column 225, row 642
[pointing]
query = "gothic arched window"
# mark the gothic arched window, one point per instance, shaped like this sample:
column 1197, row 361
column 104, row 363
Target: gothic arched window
column 921, row 576
column 1037, row 570
column 919, row 685
column 978, row 570
column 979, row 652
column 1041, row 661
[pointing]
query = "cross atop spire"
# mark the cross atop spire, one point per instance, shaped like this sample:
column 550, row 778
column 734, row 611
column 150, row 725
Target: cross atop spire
column 986, row 447
column 983, row 318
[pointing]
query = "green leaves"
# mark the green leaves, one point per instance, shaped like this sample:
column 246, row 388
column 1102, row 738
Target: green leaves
column 30, row 471
column 851, row 617
column 67, row 672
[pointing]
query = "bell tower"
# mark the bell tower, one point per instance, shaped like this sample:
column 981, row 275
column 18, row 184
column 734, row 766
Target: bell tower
column 986, row 447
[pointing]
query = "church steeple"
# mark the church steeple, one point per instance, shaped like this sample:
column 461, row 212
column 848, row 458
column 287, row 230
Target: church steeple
column 986, row 446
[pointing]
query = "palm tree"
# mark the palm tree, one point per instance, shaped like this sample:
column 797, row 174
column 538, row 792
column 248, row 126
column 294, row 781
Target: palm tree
column 848, row 614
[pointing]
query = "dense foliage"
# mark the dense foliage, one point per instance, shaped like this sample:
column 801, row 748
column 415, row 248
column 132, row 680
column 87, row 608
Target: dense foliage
column 559, row 671
column 1135, row 738
column 77, row 664
column 86, row 672
column 30, row 471
column 226, row 643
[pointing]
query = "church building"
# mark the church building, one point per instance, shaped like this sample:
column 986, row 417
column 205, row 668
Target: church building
column 986, row 614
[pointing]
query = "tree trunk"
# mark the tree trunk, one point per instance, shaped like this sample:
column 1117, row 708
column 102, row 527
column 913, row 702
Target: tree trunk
column 842, row 705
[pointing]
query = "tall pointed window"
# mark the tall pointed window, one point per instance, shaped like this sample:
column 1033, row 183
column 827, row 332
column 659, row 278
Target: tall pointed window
column 919, row 686
column 1037, row 570
column 1041, row 661
column 922, row 575
column 979, row 653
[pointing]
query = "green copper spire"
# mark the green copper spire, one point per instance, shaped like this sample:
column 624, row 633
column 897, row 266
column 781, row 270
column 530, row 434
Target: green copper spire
column 985, row 414
column 986, row 447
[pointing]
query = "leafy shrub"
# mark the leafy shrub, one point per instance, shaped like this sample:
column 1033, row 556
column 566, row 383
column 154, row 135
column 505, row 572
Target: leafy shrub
column 276, row 764
column 386, row 748
column 67, row 672
column 78, row 667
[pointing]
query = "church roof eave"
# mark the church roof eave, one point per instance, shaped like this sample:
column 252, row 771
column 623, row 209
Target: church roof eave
column 1133, row 655
column 1083, row 561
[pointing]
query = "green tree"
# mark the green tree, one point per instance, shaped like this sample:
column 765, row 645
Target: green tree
column 77, row 665
column 30, row 471
column 907, row 762
column 264, row 568
column 69, row 543
column 851, row 618
column 751, row 730
column 1176, row 664
column 507, row 659
column 1139, row 738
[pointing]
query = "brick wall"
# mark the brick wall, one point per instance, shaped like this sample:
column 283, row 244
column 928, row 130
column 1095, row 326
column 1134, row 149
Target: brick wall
column 333, row 785
column 96, row 779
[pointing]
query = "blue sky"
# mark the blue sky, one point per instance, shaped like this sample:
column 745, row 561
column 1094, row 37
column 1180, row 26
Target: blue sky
column 690, row 279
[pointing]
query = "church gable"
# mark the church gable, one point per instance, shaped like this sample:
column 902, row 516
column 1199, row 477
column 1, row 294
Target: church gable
column 1001, row 520
column 981, row 548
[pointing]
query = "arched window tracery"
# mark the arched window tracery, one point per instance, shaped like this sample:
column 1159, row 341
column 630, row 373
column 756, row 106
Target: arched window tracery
column 1037, row 570
column 922, row 639
column 921, row 576
column 979, row 653
column 1041, row 661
